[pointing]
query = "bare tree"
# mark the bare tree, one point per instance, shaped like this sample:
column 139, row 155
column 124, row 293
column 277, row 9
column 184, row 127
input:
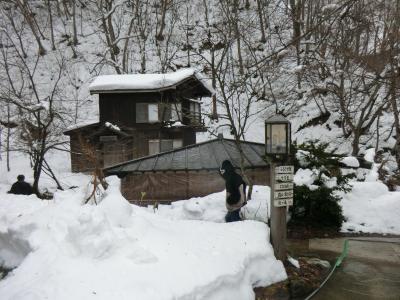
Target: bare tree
column 40, row 114
column 29, row 17
column 393, row 24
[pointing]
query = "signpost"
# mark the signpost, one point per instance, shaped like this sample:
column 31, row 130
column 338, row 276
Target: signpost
column 283, row 186
column 277, row 148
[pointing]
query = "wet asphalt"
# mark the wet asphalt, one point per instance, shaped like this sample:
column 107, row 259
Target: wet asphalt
column 370, row 271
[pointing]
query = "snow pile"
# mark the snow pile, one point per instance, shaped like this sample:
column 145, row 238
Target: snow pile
column 212, row 207
column 350, row 161
column 294, row 262
column 63, row 250
column 371, row 208
column 112, row 126
column 306, row 177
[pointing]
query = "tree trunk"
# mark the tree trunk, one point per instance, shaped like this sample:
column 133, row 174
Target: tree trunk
column 53, row 45
column 52, row 175
column 32, row 24
column 237, row 34
column 125, row 50
column 18, row 36
column 355, row 143
column 261, row 18
column 395, row 78
column 160, row 33
column 8, row 138
column 75, row 34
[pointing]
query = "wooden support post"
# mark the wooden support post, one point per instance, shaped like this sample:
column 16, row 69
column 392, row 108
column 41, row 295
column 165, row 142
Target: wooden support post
column 277, row 222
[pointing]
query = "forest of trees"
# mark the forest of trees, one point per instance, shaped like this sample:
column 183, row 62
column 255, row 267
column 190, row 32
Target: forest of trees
column 339, row 59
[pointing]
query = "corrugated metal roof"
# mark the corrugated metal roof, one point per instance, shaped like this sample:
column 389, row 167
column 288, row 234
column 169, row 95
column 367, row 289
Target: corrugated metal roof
column 203, row 156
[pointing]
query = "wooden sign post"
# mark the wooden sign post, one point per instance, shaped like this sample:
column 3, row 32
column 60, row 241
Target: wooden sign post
column 281, row 197
column 277, row 148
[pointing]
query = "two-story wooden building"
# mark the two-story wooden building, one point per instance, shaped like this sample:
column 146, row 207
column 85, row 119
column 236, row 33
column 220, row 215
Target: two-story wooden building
column 140, row 115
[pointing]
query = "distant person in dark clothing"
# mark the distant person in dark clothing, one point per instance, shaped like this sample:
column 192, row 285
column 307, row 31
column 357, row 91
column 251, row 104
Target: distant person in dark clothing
column 235, row 191
column 21, row 187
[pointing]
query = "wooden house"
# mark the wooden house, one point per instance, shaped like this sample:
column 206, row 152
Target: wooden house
column 140, row 115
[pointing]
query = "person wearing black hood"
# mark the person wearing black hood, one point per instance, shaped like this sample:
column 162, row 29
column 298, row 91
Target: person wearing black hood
column 235, row 191
column 21, row 187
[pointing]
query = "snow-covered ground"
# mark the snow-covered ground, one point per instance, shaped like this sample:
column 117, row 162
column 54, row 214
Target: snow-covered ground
column 62, row 249
column 371, row 208
column 212, row 207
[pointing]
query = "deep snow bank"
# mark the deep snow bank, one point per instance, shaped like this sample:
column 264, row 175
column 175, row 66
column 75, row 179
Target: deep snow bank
column 63, row 250
column 371, row 208
column 212, row 207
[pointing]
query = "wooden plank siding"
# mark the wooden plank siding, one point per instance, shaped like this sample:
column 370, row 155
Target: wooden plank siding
column 164, row 187
column 123, row 149
column 119, row 108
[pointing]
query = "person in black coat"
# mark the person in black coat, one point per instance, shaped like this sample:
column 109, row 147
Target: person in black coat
column 21, row 187
column 235, row 191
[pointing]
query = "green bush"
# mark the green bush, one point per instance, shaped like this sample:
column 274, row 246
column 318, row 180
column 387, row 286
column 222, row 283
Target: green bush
column 318, row 207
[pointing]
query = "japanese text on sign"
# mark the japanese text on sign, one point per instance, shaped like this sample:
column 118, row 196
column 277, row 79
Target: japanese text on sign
column 283, row 194
column 284, row 170
column 283, row 186
column 283, row 202
column 284, row 177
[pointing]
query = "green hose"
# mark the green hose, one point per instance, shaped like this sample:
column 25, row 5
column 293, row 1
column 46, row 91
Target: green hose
column 338, row 262
column 345, row 251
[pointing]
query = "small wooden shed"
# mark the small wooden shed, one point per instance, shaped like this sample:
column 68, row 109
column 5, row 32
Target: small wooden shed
column 191, row 171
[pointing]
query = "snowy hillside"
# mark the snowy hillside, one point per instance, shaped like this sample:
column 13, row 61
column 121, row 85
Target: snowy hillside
column 262, row 57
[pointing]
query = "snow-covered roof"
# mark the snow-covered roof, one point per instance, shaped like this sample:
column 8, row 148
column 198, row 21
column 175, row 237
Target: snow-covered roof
column 80, row 125
column 146, row 82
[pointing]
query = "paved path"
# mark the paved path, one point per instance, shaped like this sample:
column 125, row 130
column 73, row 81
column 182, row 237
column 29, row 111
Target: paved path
column 370, row 271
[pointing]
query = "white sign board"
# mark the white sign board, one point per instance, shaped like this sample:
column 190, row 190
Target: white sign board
column 284, row 170
column 283, row 186
column 283, row 194
column 284, row 177
column 283, row 202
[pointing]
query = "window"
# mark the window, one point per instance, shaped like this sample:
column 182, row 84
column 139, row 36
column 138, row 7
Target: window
column 176, row 112
column 195, row 107
column 166, row 145
column 147, row 113
column 155, row 112
column 195, row 115
column 177, row 144
column 154, row 147
column 157, row 146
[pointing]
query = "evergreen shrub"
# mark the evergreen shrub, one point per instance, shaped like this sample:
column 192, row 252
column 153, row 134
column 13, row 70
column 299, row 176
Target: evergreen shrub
column 317, row 204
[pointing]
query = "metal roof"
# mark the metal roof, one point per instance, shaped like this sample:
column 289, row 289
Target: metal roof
column 277, row 119
column 203, row 156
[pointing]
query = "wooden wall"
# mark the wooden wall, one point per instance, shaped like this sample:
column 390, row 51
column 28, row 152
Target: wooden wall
column 124, row 149
column 120, row 108
column 165, row 187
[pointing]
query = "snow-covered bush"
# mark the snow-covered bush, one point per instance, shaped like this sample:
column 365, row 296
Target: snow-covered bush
column 317, row 177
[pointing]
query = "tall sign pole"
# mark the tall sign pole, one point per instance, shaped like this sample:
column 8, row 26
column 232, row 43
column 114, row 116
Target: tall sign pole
column 281, row 197
column 277, row 143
